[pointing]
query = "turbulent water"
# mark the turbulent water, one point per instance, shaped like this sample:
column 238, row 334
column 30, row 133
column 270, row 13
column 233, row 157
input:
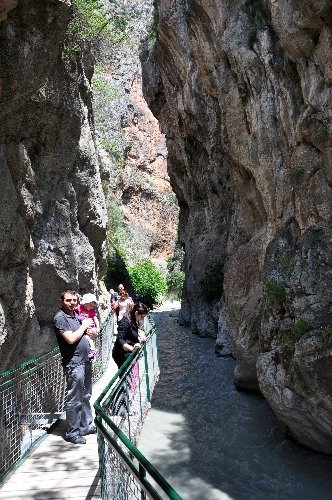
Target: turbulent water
column 212, row 442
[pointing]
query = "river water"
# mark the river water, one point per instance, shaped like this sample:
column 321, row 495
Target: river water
column 212, row 442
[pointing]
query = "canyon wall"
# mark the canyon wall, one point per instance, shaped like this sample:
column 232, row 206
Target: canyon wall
column 132, row 149
column 242, row 91
column 52, row 208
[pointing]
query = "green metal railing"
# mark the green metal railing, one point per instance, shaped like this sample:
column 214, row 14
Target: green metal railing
column 120, row 411
column 32, row 398
column 103, row 344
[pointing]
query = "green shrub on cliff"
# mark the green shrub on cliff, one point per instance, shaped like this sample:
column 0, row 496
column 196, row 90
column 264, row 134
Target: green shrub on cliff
column 153, row 32
column 275, row 294
column 211, row 285
column 117, row 271
column 117, row 235
column 89, row 19
column 117, row 239
column 303, row 326
column 147, row 282
column 175, row 275
column 101, row 85
column 300, row 327
column 93, row 21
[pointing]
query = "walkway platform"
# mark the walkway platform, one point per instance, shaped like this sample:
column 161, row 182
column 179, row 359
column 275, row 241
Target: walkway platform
column 57, row 469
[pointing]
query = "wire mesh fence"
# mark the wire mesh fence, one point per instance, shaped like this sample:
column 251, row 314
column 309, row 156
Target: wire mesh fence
column 120, row 412
column 32, row 397
column 103, row 345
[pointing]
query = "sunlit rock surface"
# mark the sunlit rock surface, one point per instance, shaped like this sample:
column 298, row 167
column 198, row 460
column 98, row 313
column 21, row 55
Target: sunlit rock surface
column 132, row 150
column 242, row 91
column 52, row 209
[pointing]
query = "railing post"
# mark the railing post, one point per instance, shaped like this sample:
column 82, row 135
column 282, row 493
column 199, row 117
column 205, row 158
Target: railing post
column 142, row 474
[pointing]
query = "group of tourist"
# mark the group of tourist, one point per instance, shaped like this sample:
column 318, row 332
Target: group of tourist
column 120, row 302
column 76, row 327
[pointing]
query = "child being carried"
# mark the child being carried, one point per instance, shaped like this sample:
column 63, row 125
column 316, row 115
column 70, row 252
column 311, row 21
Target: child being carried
column 87, row 309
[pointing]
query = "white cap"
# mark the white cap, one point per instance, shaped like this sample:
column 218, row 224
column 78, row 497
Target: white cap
column 88, row 297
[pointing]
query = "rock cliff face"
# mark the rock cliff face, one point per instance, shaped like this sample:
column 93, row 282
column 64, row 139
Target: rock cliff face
column 242, row 90
column 52, row 209
column 132, row 149
column 143, row 187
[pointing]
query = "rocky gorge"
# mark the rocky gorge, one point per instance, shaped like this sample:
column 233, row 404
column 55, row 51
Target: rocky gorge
column 132, row 150
column 242, row 91
column 82, row 159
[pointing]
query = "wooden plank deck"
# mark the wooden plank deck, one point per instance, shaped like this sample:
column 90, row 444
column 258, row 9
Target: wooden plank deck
column 58, row 469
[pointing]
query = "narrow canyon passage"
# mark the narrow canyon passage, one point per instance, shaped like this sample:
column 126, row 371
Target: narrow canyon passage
column 212, row 442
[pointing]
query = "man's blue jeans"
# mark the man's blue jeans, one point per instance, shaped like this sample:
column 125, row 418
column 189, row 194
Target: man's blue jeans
column 79, row 390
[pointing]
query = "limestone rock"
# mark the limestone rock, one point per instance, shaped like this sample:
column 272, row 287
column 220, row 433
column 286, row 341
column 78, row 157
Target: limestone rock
column 297, row 383
column 133, row 150
column 52, row 208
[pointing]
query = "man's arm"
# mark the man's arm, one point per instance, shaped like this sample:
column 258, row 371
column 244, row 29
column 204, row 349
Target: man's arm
column 72, row 337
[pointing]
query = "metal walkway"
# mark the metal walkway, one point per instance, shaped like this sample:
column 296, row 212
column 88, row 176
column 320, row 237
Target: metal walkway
column 47, row 466
column 57, row 469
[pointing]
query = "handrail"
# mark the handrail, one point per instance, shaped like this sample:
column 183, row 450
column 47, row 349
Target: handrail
column 32, row 398
column 6, row 373
column 117, row 375
column 118, row 469
column 160, row 480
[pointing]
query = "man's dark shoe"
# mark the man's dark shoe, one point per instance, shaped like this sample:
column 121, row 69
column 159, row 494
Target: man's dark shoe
column 76, row 439
column 91, row 430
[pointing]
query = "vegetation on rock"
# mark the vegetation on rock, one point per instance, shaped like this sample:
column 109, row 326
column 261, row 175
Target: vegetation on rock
column 175, row 274
column 211, row 285
column 147, row 282
column 275, row 293
column 300, row 327
column 91, row 22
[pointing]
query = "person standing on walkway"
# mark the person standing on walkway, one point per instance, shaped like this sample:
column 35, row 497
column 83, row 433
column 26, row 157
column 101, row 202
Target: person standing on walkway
column 129, row 336
column 125, row 305
column 71, row 334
